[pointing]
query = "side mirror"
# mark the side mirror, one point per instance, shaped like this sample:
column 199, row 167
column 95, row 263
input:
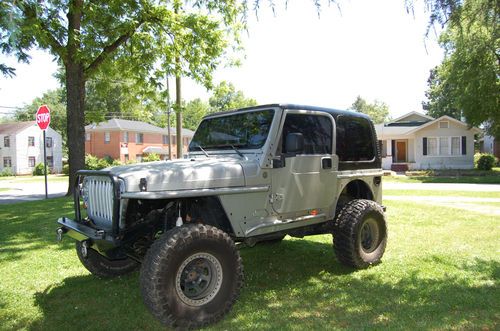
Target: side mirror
column 294, row 143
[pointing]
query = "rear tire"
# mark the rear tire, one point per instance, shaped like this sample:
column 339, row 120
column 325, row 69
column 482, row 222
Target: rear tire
column 360, row 235
column 102, row 267
column 191, row 276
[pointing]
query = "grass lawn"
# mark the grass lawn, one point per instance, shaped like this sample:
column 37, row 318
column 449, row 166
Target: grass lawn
column 449, row 176
column 440, row 271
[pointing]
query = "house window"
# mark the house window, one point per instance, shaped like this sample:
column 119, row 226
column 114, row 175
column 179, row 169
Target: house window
column 432, row 146
column 444, row 146
column 444, row 124
column 87, row 136
column 138, row 157
column 107, row 137
column 31, row 141
column 50, row 161
column 31, row 161
column 139, row 138
column 125, row 137
column 7, row 162
column 6, row 141
column 455, row 146
column 165, row 139
column 48, row 142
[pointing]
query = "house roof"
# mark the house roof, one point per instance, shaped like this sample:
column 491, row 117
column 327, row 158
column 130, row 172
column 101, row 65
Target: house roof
column 383, row 130
column 117, row 124
column 444, row 118
column 424, row 117
column 12, row 128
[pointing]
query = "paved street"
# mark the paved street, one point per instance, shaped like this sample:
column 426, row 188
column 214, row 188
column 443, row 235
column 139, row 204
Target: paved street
column 19, row 190
column 441, row 187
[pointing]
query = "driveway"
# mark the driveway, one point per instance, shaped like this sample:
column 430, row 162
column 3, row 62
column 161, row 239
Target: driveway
column 19, row 190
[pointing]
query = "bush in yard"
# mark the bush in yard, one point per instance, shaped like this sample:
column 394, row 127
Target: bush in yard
column 151, row 157
column 6, row 172
column 485, row 161
column 65, row 169
column 39, row 170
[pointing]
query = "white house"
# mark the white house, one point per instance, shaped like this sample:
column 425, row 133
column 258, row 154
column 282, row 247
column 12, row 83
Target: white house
column 417, row 141
column 21, row 147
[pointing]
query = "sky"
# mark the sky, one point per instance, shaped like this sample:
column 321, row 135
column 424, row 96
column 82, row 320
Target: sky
column 374, row 49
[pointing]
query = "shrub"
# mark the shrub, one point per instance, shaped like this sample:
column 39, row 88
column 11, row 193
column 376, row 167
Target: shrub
column 94, row 163
column 39, row 170
column 6, row 172
column 485, row 161
column 151, row 157
column 65, row 169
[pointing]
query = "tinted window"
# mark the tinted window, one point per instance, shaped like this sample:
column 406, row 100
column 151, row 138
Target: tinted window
column 241, row 130
column 354, row 139
column 317, row 132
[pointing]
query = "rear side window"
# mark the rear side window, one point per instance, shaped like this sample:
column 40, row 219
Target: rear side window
column 317, row 131
column 354, row 139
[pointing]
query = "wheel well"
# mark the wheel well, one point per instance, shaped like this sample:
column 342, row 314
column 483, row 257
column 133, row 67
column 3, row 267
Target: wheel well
column 164, row 213
column 356, row 189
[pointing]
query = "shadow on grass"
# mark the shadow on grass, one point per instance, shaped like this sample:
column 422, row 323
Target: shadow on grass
column 30, row 226
column 294, row 285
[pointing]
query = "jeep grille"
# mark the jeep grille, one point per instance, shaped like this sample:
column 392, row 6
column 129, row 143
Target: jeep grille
column 98, row 195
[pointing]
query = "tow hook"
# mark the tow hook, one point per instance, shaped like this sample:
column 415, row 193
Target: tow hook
column 60, row 232
column 84, row 248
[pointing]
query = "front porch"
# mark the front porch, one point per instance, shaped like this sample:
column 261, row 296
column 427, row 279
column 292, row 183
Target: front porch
column 398, row 154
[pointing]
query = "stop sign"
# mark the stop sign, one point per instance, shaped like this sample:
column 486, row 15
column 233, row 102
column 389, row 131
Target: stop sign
column 43, row 117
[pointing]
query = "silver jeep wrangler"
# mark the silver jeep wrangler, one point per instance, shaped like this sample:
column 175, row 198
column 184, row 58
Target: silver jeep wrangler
column 251, row 175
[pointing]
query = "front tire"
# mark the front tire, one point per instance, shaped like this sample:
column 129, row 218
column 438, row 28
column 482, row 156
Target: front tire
column 191, row 276
column 102, row 267
column 360, row 234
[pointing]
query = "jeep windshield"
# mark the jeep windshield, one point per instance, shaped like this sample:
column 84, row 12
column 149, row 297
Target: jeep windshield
column 247, row 130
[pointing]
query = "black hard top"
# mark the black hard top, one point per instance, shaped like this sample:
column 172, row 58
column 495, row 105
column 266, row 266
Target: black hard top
column 334, row 112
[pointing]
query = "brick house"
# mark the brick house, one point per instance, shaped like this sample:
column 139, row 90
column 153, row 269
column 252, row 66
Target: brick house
column 21, row 147
column 126, row 140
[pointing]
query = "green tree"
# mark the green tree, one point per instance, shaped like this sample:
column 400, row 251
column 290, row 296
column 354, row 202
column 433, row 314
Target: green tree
column 226, row 97
column 378, row 111
column 193, row 112
column 468, row 78
column 439, row 95
column 143, row 36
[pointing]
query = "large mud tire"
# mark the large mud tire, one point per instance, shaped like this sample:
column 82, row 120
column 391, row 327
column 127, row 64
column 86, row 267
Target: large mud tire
column 360, row 234
column 102, row 267
column 191, row 276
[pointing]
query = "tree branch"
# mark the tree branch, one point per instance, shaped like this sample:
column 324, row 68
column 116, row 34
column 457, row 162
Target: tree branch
column 56, row 47
column 108, row 49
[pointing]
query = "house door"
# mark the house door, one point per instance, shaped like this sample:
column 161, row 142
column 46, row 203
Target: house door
column 400, row 151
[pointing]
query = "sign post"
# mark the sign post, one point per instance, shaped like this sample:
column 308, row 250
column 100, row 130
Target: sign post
column 43, row 121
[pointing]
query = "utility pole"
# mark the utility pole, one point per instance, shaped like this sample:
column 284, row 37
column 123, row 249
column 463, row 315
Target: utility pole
column 178, row 115
column 168, row 122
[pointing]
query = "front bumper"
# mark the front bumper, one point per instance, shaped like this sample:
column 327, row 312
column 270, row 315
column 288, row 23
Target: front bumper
column 98, row 239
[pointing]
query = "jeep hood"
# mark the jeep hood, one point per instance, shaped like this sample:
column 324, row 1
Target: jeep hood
column 181, row 174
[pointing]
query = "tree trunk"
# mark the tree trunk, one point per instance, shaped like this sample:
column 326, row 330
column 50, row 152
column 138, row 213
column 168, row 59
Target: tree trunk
column 75, row 93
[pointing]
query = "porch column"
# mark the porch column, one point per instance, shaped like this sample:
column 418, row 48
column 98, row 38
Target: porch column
column 389, row 147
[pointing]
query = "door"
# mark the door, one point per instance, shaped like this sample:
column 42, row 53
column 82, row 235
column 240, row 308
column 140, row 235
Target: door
column 400, row 151
column 307, row 179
